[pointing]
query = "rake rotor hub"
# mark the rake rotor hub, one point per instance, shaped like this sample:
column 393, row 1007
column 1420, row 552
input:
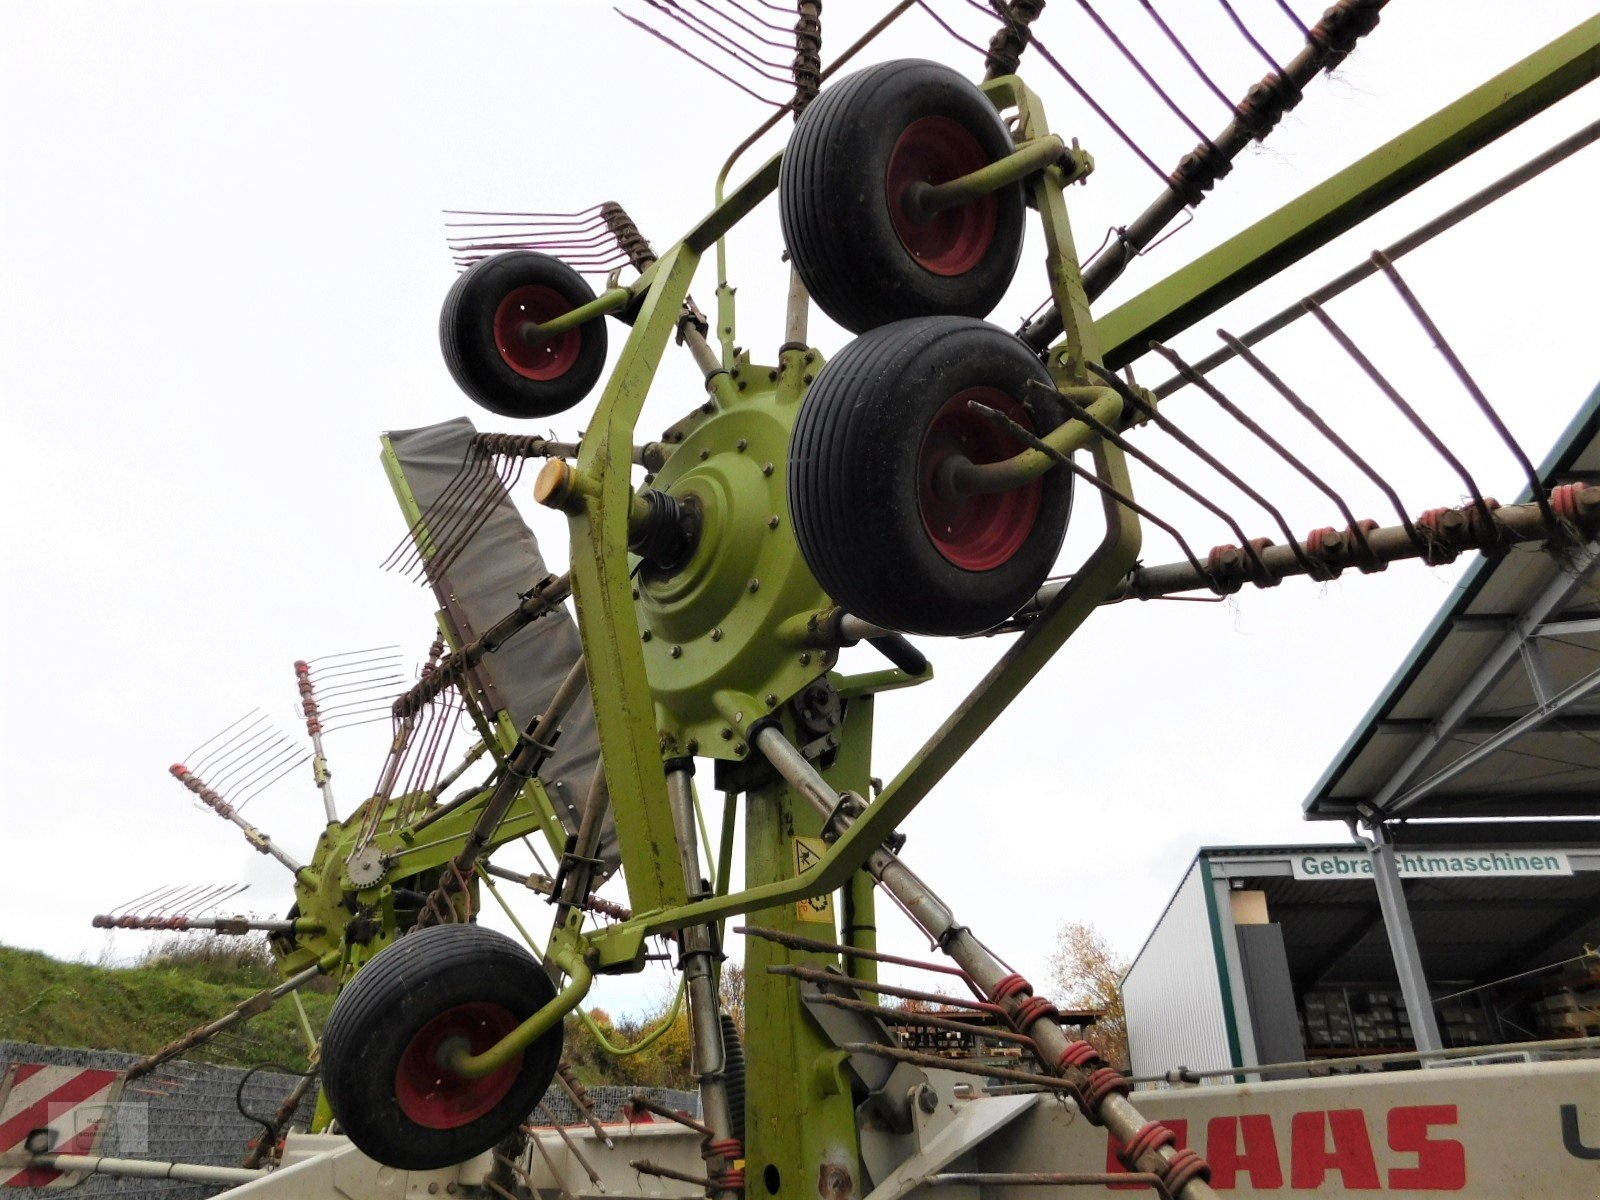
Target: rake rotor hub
column 724, row 625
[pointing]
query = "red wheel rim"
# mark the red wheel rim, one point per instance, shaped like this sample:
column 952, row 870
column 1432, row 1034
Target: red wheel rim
column 936, row 150
column 548, row 359
column 431, row 1094
column 980, row 531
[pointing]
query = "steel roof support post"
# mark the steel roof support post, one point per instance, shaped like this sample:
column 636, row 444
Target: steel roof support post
column 1548, row 603
column 1402, row 938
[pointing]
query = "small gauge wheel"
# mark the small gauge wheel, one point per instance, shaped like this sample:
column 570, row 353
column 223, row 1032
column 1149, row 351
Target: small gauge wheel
column 486, row 333
column 388, row 1043
column 853, row 223
column 872, row 507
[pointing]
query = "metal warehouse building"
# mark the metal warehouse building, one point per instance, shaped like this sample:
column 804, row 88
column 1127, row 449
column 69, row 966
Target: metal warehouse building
column 1461, row 913
column 1279, row 953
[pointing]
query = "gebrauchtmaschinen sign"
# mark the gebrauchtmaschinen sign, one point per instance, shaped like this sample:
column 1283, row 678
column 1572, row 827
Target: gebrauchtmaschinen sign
column 1434, row 864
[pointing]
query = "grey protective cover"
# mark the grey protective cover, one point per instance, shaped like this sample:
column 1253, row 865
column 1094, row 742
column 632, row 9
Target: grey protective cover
column 482, row 584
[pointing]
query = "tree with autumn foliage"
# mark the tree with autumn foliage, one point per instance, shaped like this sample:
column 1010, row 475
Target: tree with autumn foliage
column 1086, row 972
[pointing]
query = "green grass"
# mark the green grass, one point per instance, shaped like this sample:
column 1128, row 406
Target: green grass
column 139, row 1009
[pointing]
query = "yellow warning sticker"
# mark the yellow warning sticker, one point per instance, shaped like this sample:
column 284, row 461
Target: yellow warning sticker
column 808, row 851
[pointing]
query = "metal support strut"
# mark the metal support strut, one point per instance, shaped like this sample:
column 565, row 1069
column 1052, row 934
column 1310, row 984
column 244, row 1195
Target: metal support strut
column 1099, row 1090
column 698, row 961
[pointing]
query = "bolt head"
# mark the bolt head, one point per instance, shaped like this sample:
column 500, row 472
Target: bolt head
column 772, row 521
column 716, row 634
column 676, row 652
column 754, row 585
column 645, row 636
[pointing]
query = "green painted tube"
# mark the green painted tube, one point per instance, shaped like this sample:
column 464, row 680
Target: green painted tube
column 579, row 980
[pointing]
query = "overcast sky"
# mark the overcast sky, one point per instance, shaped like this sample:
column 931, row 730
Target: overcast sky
column 221, row 260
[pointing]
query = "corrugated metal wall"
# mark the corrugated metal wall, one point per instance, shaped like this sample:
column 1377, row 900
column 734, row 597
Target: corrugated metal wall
column 1173, row 994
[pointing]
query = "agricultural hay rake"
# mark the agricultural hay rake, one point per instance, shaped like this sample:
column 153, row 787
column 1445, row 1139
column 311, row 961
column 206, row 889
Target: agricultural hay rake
column 917, row 482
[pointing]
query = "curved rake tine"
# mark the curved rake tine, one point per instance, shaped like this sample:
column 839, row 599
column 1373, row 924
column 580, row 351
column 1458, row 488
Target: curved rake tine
column 1072, row 82
column 1305, row 30
column 422, row 537
column 461, row 537
column 484, row 212
column 1255, row 44
column 928, row 9
column 1206, row 456
column 321, row 658
column 226, row 779
column 589, row 239
column 254, row 712
column 473, row 461
column 1305, row 410
column 747, row 31
column 468, row 512
column 1144, row 73
column 1122, row 443
column 1395, row 398
column 288, row 765
column 268, row 773
column 763, row 22
column 720, row 41
column 259, row 721
column 689, row 54
column 1294, row 461
column 1535, row 484
column 999, row 419
column 391, row 678
column 246, row 753
column 1177, row 44
column 1421, row 235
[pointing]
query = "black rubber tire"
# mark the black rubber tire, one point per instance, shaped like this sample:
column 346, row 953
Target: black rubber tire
column 390, row 1001
column 485, row 371
column 857, row 469
column 834, row 200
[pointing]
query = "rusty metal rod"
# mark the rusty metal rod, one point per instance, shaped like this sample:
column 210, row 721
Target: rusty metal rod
column 580, row 1098
column 813, row 975
column 1514, row 523
column 571, row 1143
column 964, row 1066
column 1283, row 452
column 1210, row 459
column 533, row 747
column 994, row 1033
column 641, row 1101
column 255, row 1005
column 232, row 926
column 645, row 1167
column 545, row 597
column 795, row 942
column 1086, row 1079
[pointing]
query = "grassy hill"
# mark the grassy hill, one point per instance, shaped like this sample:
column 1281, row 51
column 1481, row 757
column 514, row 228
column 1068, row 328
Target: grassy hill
column 139, row 1009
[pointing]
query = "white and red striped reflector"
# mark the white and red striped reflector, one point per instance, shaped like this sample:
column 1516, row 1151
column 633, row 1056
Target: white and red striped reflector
column 74, row 1104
